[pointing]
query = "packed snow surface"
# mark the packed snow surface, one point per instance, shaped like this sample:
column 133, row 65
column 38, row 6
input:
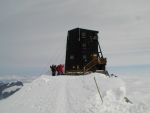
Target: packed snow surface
column 73, row 94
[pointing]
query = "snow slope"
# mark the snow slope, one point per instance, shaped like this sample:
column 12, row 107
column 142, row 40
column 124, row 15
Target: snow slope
column 72, row 94
column 138, row 88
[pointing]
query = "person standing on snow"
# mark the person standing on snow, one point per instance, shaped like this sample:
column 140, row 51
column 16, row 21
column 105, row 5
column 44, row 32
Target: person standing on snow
column 61, row 69
column 53, row 69
column 58, row 69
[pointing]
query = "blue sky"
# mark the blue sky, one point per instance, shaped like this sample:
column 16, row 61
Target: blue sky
column 33, row 33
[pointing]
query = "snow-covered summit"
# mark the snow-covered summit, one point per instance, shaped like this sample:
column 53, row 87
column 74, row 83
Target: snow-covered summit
column 72, row 94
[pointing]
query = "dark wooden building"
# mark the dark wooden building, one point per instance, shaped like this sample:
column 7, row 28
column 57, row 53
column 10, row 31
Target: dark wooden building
column 83, row 52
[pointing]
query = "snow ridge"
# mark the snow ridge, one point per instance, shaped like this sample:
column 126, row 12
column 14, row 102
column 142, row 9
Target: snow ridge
column 71, row 94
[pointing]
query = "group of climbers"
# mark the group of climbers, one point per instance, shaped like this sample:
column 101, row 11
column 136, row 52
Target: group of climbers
column 59, row 69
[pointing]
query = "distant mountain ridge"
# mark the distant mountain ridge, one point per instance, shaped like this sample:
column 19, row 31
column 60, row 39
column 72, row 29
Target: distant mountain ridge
column 9, row 88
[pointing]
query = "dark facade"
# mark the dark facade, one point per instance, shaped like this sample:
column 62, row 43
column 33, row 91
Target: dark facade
column 82, row 46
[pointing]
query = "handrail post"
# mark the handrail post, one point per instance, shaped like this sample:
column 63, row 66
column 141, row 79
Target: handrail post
column 98, row 90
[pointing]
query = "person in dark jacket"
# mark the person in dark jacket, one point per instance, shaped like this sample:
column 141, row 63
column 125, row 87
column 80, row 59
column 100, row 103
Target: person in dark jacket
column 53, row 69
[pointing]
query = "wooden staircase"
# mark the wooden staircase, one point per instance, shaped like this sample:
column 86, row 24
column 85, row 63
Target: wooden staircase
column 93, row 63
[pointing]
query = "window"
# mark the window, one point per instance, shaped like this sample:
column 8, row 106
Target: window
column 84, row 58
column 84, row 45
column 71, row 57
column 83, row 35
column 95, row 38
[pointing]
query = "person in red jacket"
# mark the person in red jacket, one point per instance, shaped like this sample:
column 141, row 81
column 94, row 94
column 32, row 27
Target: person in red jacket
column 58, row 69
column 61, row 69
